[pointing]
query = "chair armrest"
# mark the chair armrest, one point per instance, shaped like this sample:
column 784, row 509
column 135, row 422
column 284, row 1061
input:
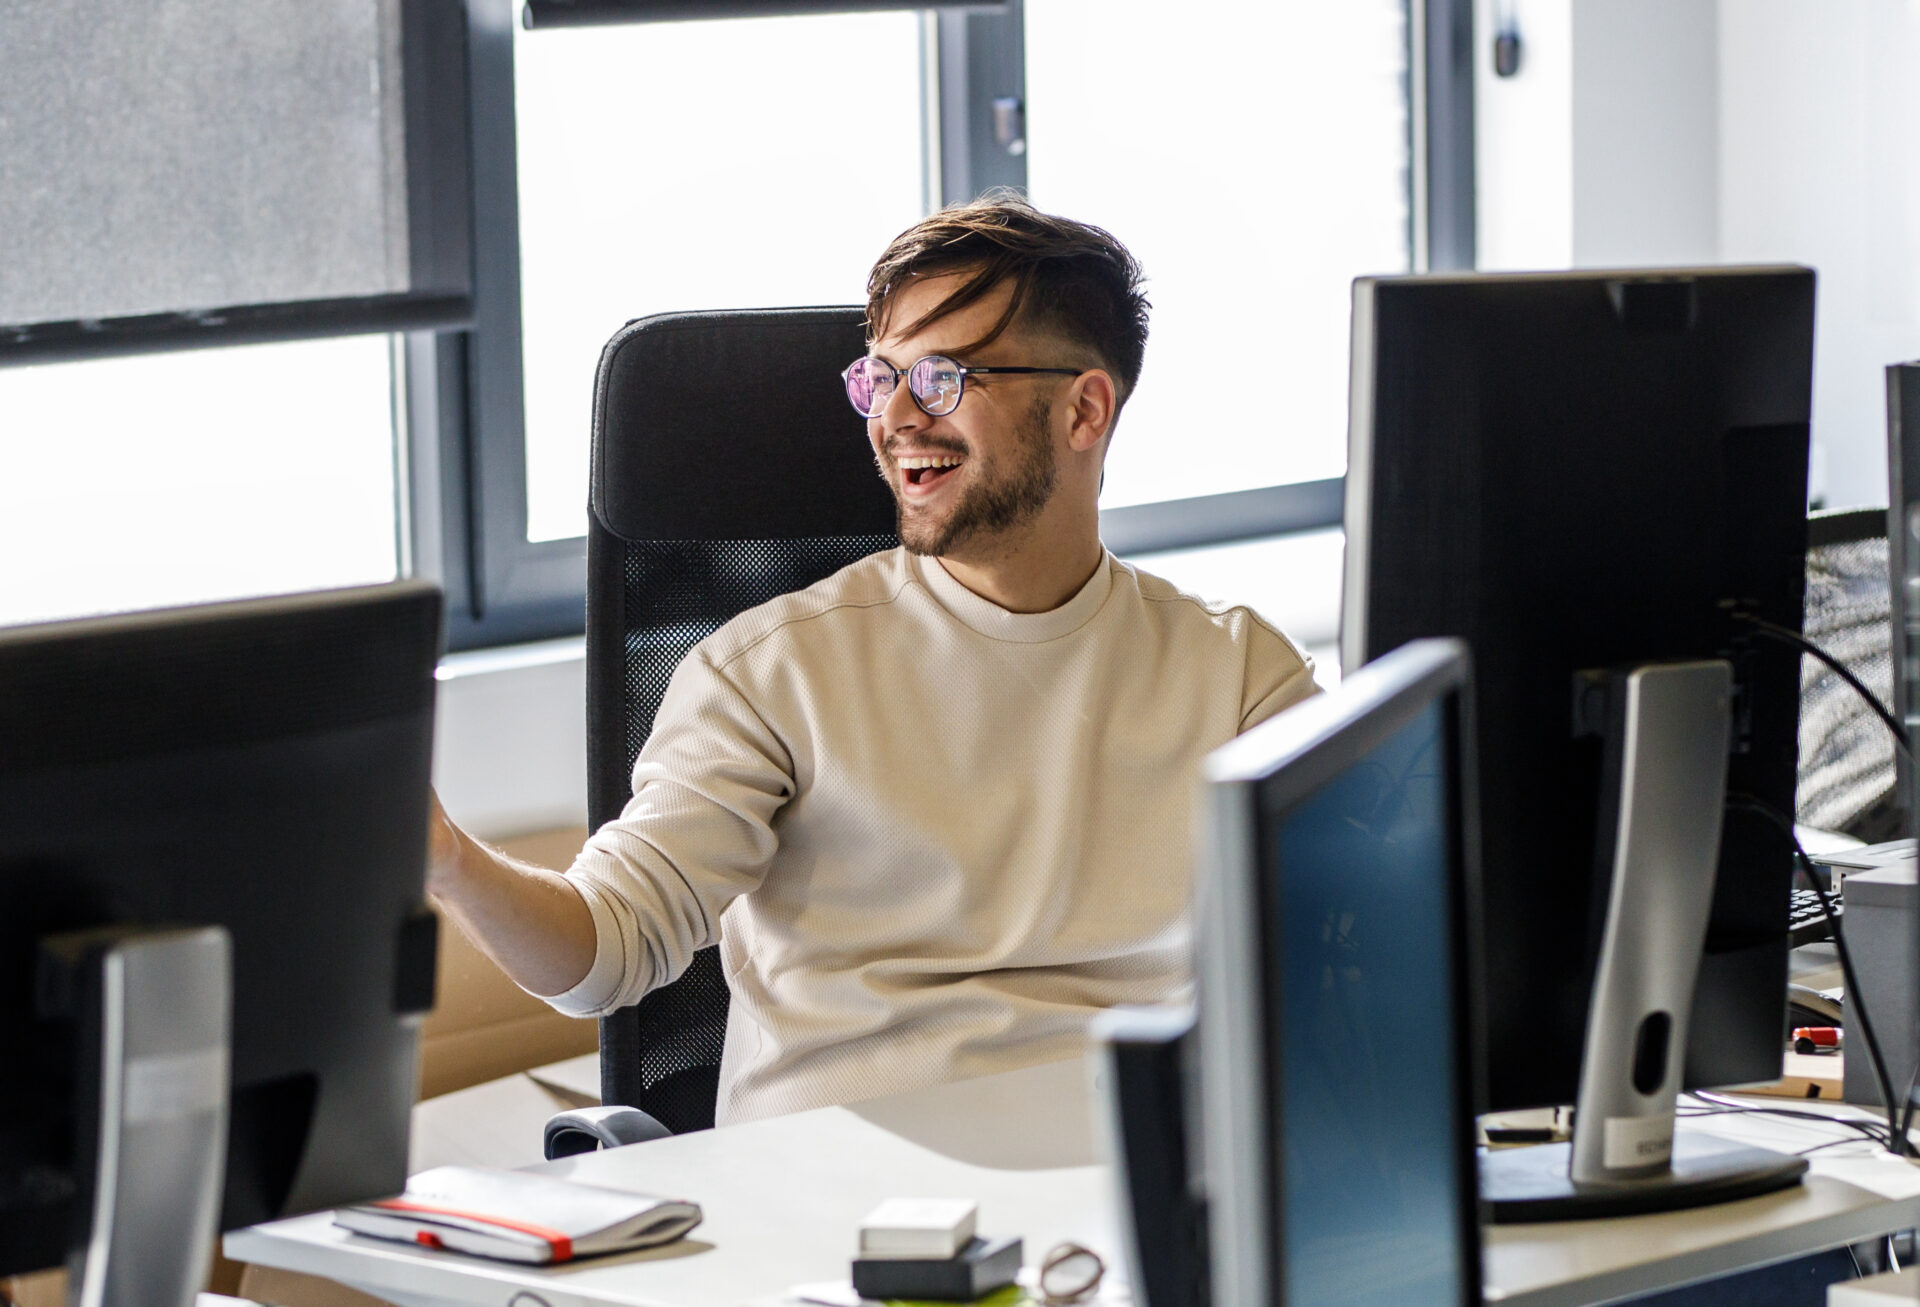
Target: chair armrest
column 586, row 1128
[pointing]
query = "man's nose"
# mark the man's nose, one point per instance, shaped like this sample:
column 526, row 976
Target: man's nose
column 900, row 413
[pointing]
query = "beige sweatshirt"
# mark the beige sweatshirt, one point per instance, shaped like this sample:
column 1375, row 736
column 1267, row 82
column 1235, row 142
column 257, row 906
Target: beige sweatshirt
column 932, row 837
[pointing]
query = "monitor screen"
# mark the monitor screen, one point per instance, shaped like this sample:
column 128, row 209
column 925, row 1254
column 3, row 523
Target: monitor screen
column 1335, row 924
column 1360, row 873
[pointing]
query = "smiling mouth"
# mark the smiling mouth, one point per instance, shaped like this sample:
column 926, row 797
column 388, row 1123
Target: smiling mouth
column 928, row 472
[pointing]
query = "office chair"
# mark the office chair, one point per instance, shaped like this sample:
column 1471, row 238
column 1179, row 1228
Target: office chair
column 1846, row 756
column 728, row 469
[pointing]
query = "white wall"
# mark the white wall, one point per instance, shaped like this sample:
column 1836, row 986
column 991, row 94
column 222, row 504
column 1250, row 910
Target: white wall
column 1645, row 123
column 1601, row 151
column 1523, row 142
column 1820, row 164
column 510, row 740
column 1644, row 132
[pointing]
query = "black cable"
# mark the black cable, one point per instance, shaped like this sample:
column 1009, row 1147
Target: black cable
column 1906, row 1108
column 1897, row 1141
column 1838, row 668
column 1872, row 1130
column 1831, row 1143
column 1903, row 1114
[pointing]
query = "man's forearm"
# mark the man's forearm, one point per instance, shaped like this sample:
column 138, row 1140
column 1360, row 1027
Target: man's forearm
column 529, row 919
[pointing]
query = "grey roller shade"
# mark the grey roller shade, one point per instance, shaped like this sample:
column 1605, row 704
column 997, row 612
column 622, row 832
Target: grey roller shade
column 171, row 161
column 586, row 13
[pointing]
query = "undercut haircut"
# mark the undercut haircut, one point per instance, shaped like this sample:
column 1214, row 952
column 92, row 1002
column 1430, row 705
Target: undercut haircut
column 1070, row 279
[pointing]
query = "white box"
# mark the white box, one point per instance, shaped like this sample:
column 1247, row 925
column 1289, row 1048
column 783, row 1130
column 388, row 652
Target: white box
column 918, row 1229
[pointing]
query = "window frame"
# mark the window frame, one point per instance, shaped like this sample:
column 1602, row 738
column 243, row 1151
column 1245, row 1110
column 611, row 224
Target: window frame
column 462, row 427
column 434, row 49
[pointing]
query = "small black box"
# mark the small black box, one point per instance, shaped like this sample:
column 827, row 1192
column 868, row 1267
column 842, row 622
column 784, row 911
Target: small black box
column 974, row 1272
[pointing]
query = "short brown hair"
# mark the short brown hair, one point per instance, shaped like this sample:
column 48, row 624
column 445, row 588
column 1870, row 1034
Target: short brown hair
column 1068, row 278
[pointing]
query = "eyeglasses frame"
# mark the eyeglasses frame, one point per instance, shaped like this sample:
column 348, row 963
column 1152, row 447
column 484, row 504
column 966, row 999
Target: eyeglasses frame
column 960, row 394
column 1060, row 1254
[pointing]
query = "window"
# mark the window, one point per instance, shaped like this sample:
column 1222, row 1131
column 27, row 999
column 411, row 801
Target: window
column 630, row 169
column 611, row 172
column 176, row 478
column 1255, row 164
column 665, row 166
column 195, row 179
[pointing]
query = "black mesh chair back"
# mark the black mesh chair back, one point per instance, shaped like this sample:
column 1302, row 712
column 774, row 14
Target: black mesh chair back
column 728, row 469
column 1846, row 753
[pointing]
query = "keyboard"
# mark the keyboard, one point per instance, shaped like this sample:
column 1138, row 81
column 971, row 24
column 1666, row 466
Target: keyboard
column 1806, row 923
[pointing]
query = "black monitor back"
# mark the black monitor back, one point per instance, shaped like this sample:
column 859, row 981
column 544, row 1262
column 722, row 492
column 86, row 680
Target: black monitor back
column 1579, row 471
column 262, row 766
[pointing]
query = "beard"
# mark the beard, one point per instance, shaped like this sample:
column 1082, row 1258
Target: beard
column 1001, row 499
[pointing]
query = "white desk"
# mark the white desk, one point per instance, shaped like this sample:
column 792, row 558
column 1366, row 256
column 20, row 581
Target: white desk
column 783, row 1199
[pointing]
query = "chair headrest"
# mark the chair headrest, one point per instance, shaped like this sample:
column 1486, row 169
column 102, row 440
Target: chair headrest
column 734, row 426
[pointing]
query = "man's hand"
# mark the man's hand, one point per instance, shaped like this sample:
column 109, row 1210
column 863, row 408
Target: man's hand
column 530, row 920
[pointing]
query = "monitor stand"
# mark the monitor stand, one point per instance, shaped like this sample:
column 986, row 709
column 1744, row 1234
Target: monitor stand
column 1663, row 797
column 151, row 1011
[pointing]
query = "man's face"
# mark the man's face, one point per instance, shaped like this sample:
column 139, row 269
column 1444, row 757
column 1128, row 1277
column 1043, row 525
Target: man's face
column 989, row 466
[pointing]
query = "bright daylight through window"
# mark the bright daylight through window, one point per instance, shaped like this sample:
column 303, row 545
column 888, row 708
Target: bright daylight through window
column 183, row 477
column 707, row 165
column 1265, row 169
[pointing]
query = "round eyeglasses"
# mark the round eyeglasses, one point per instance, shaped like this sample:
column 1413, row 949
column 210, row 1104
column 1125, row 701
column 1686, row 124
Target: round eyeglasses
column 936, row 383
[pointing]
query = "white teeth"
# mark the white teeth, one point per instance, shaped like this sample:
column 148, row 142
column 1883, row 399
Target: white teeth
column 912, row 463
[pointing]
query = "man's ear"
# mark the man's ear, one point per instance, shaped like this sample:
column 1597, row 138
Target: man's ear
column 1091, row 405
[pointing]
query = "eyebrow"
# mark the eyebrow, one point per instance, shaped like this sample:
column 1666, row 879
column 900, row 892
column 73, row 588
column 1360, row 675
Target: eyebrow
column 958, row 356
column 873, row 353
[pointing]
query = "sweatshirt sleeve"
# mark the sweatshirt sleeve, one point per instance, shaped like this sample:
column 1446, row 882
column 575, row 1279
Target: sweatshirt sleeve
column 1278, row 676
column 697, row 834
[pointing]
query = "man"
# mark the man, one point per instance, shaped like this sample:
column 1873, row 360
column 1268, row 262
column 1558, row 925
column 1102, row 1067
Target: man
column 936, row 808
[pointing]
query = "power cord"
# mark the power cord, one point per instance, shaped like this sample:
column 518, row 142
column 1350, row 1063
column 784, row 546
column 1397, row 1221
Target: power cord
column 1806, row 646
column 1875, row 1131
column 1899, row 1116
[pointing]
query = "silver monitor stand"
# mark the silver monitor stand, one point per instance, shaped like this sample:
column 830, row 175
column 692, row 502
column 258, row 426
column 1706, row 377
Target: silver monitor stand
column 1666, row 779
column 152, row 1016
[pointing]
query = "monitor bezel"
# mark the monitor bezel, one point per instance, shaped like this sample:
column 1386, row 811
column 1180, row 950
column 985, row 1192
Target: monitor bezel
column 1252, row 783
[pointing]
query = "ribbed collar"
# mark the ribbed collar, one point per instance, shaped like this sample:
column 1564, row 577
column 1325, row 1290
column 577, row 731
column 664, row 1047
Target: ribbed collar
column 995, row 622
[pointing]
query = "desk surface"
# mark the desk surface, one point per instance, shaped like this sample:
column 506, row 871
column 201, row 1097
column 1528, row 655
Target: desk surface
column 784, row 1197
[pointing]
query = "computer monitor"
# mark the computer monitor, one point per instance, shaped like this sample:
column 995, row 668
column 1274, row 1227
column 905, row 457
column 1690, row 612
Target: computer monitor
column 229, row 790
column 1333, row 956
column 1579, row 474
